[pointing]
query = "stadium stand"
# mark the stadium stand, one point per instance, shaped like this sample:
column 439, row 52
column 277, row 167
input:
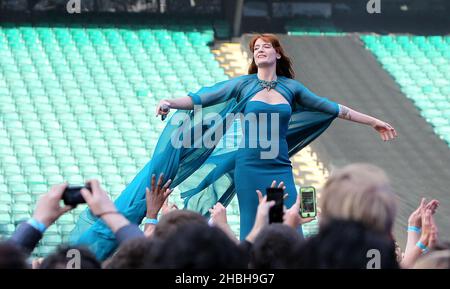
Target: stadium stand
column 77, row 102
column 421, row 66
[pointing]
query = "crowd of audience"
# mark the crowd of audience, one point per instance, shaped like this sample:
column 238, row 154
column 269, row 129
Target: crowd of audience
column 358, row 210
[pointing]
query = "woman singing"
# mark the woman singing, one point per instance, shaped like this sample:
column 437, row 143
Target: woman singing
column 208, row 174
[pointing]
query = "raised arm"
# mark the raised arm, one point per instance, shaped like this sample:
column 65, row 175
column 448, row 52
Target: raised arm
column 102, row 206
column 48, row 210
column 184, row 102
column 386, row 131
column 205, row 96
column 310, row 100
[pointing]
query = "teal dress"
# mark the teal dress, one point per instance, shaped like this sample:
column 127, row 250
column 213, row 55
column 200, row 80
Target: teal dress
column 206, row 174
column 252, row 172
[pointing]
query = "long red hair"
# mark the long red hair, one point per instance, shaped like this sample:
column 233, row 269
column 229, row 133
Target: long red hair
column 284, row 64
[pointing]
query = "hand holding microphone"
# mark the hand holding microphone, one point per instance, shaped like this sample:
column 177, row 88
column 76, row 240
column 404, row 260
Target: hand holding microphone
column 163, row 109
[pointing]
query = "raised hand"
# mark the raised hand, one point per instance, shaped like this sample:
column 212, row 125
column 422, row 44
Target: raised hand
column 415, row 219
column 218, row 214
column 163, row 107
column 386, row 131
column 156, row 196
column 167, row 208
column 97, row 199
column 262, row 217
column 292, row 216
column 102, row 206
column 48, row 209
column 273, row 185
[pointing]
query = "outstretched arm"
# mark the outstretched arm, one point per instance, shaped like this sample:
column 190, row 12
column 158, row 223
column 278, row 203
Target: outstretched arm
column 386, row 131
column 205, row 96
column 184, row 102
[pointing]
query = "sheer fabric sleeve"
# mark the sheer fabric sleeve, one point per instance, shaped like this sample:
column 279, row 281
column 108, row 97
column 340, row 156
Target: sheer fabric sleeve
column 311, row 101
column 217, row 93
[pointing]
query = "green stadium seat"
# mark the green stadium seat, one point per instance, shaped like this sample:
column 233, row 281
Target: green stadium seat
column 5, row 219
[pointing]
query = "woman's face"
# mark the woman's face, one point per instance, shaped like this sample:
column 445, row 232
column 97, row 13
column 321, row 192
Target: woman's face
column 264, row 53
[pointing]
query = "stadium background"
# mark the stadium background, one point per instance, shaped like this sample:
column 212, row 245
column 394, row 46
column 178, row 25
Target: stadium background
column 78, row 91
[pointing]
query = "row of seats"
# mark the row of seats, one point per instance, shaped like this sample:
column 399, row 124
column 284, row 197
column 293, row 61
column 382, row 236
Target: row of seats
column 231, row 58
column 312, row 27
column 421, row 67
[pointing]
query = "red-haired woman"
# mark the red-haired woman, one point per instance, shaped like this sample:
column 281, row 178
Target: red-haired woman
column 267, row 97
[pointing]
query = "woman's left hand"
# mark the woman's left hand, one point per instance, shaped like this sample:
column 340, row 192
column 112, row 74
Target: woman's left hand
column 386, row 131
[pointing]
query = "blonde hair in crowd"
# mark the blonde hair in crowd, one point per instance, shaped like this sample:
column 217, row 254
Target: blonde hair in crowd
column 359, row 192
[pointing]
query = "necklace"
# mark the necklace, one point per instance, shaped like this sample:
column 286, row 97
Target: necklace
column 267, row 84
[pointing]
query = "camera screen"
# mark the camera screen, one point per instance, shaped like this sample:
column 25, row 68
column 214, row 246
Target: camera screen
column 308, row 201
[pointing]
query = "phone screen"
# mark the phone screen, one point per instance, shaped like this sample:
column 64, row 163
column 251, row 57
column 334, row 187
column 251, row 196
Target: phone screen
column 308, row 202
column 276, row 212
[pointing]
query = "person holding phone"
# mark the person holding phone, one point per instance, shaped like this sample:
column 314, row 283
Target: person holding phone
column 296, row 116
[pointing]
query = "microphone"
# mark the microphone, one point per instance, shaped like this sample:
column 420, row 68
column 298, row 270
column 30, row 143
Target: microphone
column 164, row 108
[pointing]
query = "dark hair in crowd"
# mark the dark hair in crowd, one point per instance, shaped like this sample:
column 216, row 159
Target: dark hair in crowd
column 134, row 254
column 198, row 246
column 274, row 248
column 174, row 220
column 347, row 245
column 12, row 257
column 62, row 258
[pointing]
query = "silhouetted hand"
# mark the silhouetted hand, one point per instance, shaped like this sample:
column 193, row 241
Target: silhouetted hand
column 386, row 131
column 156, row 196
column 292, row 216
column 48, row 208
column 97, row 199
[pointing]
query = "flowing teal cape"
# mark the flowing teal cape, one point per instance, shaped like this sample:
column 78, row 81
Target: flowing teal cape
column 204, row 174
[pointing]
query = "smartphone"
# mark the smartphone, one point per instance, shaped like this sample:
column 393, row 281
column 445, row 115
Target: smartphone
column 72, row 195
column 276, row 212
column 308, row 207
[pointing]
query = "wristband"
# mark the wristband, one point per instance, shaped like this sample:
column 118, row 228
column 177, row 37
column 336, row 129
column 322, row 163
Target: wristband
column 422, row 246
column 37, row 225
column 151, row 221
column 414, row 229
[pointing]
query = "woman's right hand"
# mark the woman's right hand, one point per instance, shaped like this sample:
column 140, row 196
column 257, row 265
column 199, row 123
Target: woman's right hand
column 163, row 107
column 415, row 219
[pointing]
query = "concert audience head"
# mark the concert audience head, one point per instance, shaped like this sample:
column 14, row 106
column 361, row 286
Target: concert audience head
column 135, row 254
column 199, row 246
column 359, row 192
column 70, row 257
column 12, row 257
column 176, row 219
column 347, row 245
column 274, row 247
